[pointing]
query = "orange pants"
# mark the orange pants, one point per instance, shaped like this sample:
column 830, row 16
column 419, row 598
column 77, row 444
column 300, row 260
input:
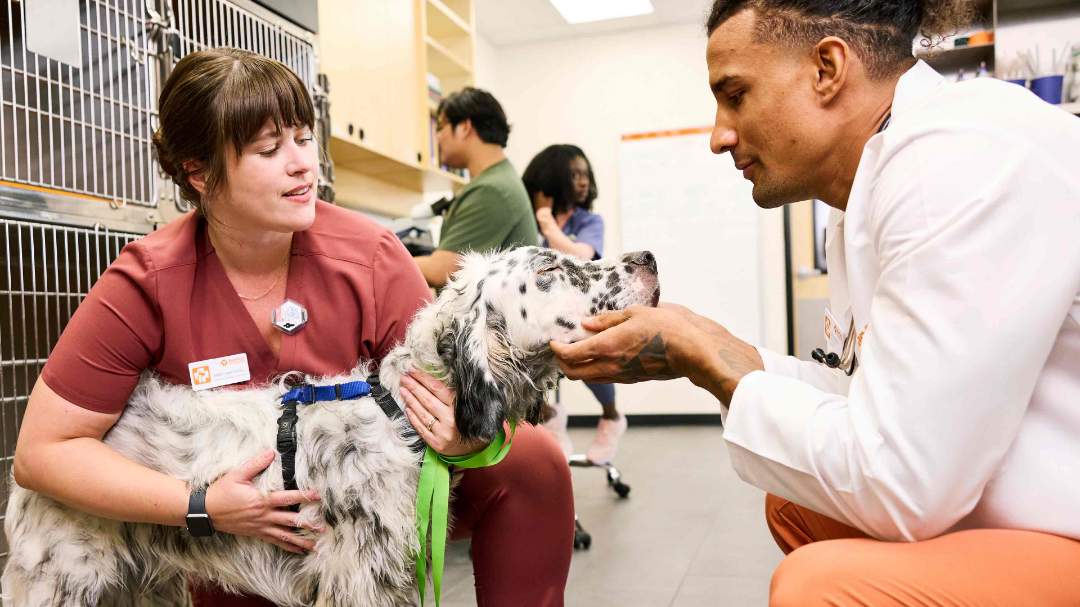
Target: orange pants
column 977, row 568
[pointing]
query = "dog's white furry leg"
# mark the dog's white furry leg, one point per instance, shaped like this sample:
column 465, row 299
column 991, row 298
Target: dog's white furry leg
column 13, row 587
column 45, row 589
column 380, row 577
column 59, row 557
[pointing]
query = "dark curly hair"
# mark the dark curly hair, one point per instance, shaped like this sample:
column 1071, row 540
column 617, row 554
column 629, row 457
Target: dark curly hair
column 880, row 31
column 221, row 97
column 549, row 172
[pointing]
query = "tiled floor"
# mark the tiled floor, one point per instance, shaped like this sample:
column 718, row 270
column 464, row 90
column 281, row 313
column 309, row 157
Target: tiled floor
column 691, row 534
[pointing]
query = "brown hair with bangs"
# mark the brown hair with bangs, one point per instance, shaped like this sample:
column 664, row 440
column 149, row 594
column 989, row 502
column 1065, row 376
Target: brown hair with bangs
column 219, row 97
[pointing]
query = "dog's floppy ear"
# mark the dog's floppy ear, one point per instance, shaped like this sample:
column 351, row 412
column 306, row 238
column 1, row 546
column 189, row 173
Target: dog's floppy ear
column 480, row 407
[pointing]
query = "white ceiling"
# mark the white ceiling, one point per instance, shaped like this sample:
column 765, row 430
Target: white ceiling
column 503, row 22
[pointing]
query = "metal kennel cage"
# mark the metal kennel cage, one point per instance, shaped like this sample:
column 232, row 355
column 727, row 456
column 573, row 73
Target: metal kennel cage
column 45, row 271
column 78, row 177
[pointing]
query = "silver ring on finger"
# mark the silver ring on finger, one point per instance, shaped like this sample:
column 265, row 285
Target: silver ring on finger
column 431, row 423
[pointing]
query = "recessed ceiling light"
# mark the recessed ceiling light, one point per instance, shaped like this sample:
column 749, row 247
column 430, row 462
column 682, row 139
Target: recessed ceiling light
column 584, row 11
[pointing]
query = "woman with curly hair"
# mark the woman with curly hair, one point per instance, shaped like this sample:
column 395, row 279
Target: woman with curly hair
column 562, row 188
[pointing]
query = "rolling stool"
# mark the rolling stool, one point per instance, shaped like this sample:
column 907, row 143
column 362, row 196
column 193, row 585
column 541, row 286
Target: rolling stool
column 582, row 538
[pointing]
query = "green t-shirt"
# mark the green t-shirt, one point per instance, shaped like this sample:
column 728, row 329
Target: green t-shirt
column 492, row 213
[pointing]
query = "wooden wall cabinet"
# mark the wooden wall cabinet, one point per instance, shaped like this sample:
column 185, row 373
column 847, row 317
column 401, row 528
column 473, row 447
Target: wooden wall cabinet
column 366, row 51
column 376, row 55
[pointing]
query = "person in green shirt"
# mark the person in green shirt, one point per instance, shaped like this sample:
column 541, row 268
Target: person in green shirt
column 493, row 212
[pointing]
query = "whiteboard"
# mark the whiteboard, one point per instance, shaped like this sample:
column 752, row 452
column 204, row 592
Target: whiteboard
column 695, row 212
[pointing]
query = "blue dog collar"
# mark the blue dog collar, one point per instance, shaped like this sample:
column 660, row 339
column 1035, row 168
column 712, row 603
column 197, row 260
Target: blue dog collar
column 307, row 394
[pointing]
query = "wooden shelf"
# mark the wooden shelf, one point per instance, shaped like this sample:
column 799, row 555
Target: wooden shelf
column 445, row 23
column 445, row 46
column 444, row 63
column 355, row 156
column 959, row 57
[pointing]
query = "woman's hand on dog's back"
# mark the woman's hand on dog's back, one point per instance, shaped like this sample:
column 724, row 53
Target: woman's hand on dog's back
column 235, row 506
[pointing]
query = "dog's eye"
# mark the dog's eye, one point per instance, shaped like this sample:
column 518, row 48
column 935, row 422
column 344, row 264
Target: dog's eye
column 546, row 269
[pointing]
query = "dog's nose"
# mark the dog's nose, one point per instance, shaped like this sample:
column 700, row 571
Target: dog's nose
column 641, row 258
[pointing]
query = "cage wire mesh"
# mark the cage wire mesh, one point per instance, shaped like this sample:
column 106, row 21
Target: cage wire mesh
column 202, row 24
column 83, row 129
column 86, row 130
column 45, row 271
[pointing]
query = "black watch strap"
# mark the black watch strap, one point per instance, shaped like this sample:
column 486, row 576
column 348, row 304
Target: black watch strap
column 198, row 521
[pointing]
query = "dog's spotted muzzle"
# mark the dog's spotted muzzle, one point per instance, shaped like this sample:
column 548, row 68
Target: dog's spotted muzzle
column 641, row 265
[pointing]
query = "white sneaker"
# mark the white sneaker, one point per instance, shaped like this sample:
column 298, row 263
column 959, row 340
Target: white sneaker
column 557, row 426
column 606, row 442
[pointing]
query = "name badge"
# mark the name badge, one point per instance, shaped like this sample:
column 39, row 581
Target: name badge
column 214, row 372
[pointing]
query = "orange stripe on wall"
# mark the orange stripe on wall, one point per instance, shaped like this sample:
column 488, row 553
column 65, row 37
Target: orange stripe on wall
column 700, row 130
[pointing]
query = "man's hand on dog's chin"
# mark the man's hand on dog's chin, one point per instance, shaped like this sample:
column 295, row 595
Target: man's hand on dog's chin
column 669, row 341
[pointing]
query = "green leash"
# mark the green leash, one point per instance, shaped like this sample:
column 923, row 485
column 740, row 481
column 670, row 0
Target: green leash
column 432, row 504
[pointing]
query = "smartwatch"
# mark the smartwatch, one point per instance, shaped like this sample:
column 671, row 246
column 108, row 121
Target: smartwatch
column 198, row 521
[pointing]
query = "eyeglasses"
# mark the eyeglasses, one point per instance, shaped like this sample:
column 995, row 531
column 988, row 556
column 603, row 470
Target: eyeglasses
column 579, row 174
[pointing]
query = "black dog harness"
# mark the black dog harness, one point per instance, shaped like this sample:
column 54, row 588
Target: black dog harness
column 308, row 394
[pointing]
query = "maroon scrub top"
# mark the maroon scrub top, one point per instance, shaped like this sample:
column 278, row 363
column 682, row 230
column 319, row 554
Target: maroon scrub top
column 166, row 302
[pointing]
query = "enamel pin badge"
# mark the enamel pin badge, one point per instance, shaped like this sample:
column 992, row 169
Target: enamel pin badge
column 289, row 317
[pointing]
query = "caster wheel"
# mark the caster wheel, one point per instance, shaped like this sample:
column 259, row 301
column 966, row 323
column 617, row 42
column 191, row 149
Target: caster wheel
column 582, row 540
column 621, row 489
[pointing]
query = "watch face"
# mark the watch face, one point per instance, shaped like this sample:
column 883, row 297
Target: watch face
column 199, row 525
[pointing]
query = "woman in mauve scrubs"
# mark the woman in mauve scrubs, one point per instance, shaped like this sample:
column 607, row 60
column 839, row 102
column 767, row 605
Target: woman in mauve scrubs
column 236, row 137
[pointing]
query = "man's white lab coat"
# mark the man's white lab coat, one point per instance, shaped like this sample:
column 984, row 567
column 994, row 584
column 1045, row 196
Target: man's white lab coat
column 958, row 258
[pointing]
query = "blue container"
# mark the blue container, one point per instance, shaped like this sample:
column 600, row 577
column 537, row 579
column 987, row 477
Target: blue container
column 1048, row 88
column 1021, row 81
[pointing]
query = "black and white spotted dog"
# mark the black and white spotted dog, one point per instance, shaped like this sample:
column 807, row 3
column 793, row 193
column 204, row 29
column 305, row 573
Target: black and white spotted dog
column 486, row 336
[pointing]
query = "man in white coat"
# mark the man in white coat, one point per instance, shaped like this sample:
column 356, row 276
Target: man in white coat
column 939, row 448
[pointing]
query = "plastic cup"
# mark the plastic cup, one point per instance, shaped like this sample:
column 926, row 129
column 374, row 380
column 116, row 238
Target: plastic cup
column 1048, row 88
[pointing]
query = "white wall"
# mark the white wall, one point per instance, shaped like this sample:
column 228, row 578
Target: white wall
column 484, row 67
column 591, row 90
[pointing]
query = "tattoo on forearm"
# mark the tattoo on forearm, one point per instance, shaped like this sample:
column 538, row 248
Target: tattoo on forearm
column 651, row 362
